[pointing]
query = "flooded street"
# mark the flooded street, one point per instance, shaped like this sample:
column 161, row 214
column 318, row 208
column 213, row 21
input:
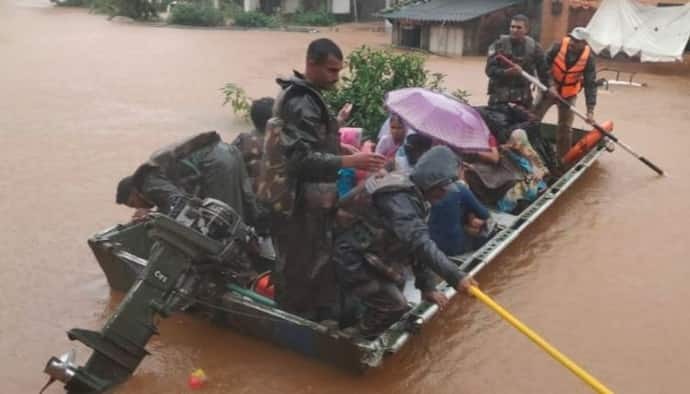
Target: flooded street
column 603, row 274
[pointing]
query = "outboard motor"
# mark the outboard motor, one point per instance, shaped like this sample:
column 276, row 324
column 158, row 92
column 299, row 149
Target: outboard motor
column 198, row 248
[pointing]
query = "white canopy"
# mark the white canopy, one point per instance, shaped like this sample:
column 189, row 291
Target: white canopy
column 657, row 34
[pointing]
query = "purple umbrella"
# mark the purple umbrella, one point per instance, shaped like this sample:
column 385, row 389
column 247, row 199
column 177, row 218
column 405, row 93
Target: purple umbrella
column 440, row 117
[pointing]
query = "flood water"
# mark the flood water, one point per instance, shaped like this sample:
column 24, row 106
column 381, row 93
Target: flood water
column 603, row 274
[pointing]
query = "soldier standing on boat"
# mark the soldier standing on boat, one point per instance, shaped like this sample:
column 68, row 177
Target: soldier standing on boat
column 298, row 180
column 506, row 85
column 510, row 96
column 201, row 166
column 572, row 68
column 386, row 232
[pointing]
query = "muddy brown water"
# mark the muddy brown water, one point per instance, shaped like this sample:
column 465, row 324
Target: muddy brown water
column 603, row 274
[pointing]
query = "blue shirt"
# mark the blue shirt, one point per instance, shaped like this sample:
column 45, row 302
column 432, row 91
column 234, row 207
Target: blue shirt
column 448, row 216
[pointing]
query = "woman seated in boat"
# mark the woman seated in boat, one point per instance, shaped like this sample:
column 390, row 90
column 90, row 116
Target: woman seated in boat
column 519, row 150
column 391, row 136
column 503, row 119
column 510, row 176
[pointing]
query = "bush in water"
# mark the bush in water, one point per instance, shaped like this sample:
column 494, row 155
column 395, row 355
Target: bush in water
column 313, row 18
column 135, row 9
column 254, row 19
column 196, row 14
column 238, row 100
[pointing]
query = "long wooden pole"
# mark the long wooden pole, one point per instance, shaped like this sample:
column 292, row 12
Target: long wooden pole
column 552, row 351
column 572, row 108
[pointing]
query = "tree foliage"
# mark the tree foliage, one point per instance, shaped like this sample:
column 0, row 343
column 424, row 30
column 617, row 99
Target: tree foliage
column 238, row 100
column 196, row 14
column 135, row 9
column 370, row 75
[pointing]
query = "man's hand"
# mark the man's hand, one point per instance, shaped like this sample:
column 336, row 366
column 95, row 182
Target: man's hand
column 369, row 162
column 590, row 116
column 344, row 114
column 514, row 71
column 465, row 284
column 140, row 214
column 436, row 297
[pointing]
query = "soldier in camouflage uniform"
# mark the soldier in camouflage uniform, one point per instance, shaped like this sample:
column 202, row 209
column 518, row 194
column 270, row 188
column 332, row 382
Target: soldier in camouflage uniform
column 387, row 232
column 506, row 85
column 200, row 166
column 298, row 181
column 251, row 144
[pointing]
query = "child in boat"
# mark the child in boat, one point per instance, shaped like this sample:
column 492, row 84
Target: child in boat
column 348, row 178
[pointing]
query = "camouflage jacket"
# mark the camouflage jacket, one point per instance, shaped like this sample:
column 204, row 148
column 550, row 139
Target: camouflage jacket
column 388, row 219
column 514, row 88
column 301, row 150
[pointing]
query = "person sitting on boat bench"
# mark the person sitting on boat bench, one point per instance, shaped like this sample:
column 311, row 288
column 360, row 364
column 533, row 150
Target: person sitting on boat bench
column 387, row 232
column 200, row 166
column 457, row 222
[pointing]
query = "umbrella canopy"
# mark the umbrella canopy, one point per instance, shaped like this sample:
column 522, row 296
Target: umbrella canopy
column 440, row 117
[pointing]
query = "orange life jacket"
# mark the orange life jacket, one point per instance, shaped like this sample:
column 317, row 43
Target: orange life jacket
column 569, row 80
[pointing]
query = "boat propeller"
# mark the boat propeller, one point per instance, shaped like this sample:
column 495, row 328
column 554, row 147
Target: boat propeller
column 61, row 368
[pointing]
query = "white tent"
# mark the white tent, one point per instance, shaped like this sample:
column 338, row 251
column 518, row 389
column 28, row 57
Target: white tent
column 656, row 34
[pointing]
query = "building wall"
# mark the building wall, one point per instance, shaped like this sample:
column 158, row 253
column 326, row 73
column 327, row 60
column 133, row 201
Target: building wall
column 395, row 34
column 291, row 6
column 340, row 6
column 446, row 39
column 251, row 5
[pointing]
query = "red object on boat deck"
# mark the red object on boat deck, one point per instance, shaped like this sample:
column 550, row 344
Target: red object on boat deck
column 263, row 285
column 586, row 143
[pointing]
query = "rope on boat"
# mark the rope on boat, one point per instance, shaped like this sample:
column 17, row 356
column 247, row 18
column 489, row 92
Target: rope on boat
column 553, row 352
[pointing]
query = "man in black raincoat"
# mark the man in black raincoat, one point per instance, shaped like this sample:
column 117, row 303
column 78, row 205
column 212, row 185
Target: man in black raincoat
column 298, row 181
column 201, row 166
column 386, row 232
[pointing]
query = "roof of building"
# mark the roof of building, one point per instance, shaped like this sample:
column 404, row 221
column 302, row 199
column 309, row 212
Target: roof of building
column 448, row 10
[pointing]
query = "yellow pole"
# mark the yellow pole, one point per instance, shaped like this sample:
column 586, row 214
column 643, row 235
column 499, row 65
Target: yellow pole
column 581, row 373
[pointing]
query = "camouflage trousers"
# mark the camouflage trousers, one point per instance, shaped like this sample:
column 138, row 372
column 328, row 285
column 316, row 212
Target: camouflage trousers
column 382, row 298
